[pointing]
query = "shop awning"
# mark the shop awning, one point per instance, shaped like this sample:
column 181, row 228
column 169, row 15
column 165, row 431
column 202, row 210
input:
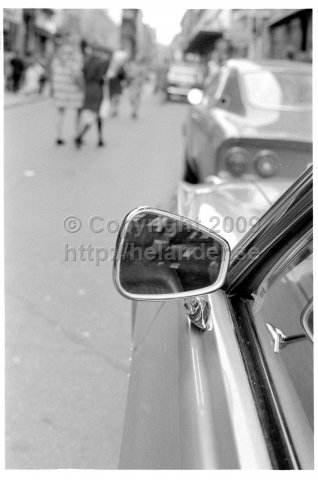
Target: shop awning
column 203, row 42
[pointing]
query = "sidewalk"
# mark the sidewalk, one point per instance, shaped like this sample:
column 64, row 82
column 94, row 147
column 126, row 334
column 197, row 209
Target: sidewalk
column 16, row 99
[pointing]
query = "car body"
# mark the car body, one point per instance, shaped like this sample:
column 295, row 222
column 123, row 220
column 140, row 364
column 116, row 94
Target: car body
column 240, row 393
column 231, row 206
column 254, row 119
column 181, row 78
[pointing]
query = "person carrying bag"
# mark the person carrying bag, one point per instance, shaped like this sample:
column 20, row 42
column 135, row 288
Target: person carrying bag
column 104, row 109
column 95, row 68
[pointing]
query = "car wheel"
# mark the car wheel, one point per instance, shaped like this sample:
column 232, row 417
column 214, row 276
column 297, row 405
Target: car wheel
column 190, row 175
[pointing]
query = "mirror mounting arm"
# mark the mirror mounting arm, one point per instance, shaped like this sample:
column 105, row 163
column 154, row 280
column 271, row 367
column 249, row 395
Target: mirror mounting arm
column 198, row 312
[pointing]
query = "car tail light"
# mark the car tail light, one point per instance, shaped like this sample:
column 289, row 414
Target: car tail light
column 266, row 163
column 237, row 160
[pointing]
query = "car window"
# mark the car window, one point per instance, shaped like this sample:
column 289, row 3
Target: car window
column 185, row 73
column 230, row 97
column 281, row 309
column 277, row 89
column 211, row 89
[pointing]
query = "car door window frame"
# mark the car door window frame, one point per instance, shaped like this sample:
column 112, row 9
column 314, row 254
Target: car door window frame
column 285, row 220
column 293, row 328
column 224, row 75
column 284, row 224
column 308, row 310
column 282, row 416
column 210, row 100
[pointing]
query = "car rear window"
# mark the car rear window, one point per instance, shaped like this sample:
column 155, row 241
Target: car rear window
column 277, row 89
column 185, row 72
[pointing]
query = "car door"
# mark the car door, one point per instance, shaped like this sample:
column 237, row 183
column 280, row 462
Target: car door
column 272, row 309
column 271, row 303
column 207, row 400
column 185, row 408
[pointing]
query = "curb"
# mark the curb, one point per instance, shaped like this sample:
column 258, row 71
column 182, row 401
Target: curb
column 24, row 101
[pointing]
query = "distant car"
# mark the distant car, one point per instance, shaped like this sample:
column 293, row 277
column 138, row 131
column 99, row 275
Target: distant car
column 254, row 119
column 181, row 78
column 222, row 363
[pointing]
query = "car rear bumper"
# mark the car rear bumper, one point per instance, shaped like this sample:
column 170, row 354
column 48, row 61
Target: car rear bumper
column 174, row 90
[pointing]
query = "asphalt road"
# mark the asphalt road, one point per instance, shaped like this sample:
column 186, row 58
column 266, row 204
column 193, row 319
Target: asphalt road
column 67, row 329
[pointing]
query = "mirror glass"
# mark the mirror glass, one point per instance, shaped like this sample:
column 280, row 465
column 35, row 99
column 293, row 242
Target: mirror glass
column 164, row 255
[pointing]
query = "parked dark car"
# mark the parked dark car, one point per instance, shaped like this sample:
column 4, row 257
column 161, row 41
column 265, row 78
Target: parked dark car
column 181, row 78
column 253, row 119
column 222, row 363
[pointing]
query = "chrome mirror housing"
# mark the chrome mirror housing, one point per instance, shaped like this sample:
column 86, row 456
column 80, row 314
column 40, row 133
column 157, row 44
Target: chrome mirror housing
column 161, row 256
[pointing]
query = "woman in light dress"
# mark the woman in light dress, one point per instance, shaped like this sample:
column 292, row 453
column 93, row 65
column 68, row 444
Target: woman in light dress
column 67, row 82
column 136, row 80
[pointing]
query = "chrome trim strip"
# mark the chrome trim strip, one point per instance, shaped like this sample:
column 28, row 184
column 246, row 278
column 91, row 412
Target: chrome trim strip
column 304, row 319
column 276, row 271
column 206, row 439
column 274, row 215
column 249, row 439
column 224, row 75
column 178, row 90
column 191, row 293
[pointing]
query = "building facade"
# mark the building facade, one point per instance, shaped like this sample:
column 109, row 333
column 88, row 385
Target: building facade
column 29, row 31
column 32, row 31
column 202, row 30
column 94, row 26
column 275, row 33
column 12, row 29
column 131, row 31
column 147, row 48
column 249, row 33
column 290, row 34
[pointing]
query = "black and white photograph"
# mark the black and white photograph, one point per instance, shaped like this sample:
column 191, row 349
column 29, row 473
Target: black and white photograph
column 125, row 130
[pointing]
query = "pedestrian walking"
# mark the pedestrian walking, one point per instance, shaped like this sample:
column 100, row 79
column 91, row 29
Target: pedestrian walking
column 116, row 76
column 67, row 82
column 17, row 71
column 136, row 78
column 95, row 68
column 44, row 75
column 161, row 78
column 33, row 75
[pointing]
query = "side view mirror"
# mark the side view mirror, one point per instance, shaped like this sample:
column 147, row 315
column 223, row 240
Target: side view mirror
column 161, row 256
column 195, row 96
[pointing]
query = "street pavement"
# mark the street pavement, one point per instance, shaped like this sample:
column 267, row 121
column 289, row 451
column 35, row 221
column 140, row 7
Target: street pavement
column 20, row 98
column 67, row 328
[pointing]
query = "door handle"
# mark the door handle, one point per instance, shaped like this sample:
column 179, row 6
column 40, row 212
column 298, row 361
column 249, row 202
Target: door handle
column 279, row 339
